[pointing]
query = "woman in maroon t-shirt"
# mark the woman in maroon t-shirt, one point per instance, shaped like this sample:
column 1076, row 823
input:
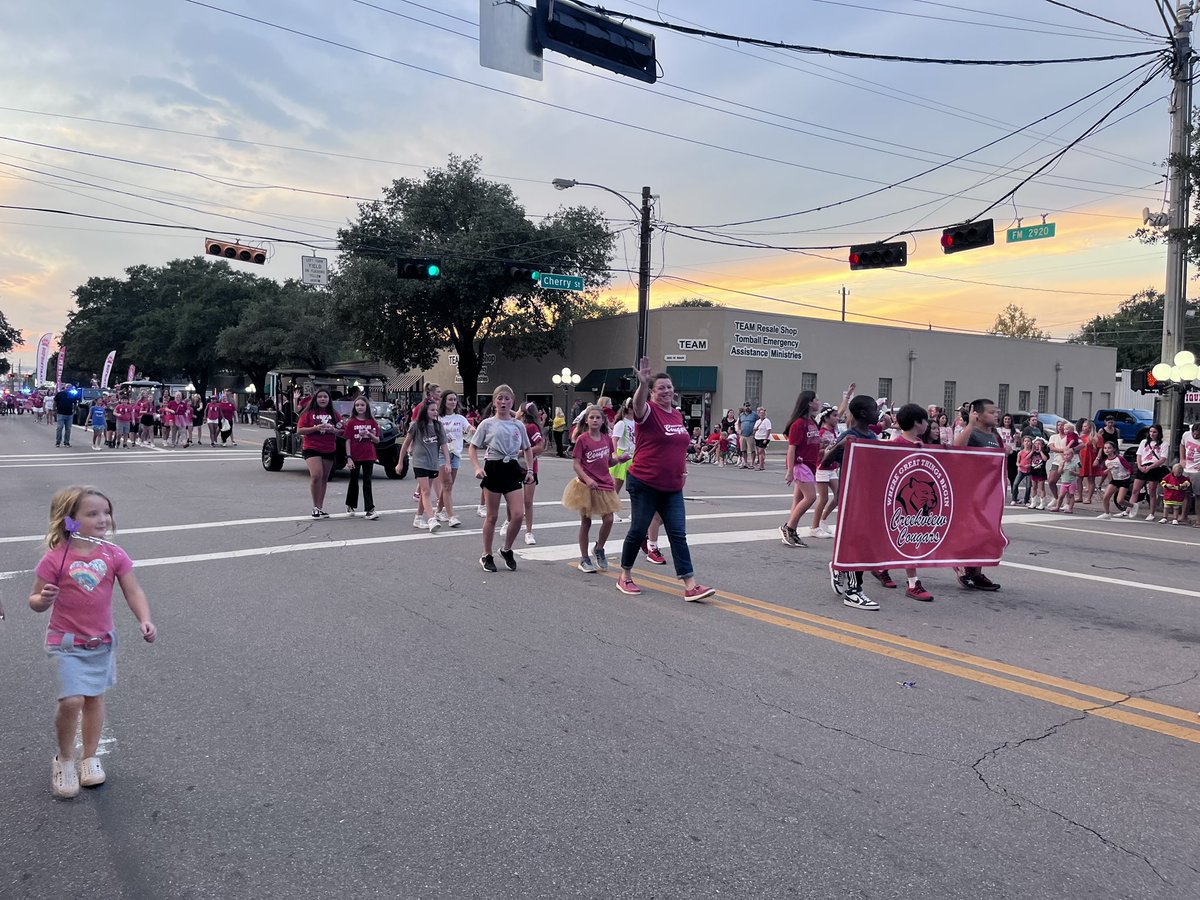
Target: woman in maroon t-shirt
column 803, row 455
column 655, row 480
column 320, row 426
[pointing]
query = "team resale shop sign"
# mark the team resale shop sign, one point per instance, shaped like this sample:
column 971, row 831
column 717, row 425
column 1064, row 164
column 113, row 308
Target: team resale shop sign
column 903, row 506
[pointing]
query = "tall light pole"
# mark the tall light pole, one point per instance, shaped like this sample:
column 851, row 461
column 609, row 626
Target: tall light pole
column 567, row 380
column 1171, row 407
column 644, row 234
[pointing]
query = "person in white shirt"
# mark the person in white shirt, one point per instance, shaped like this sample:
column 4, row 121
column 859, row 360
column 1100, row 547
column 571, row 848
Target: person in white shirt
column 1189, row 455
column 457, row 428
column 1149, row 471
column 762, row 437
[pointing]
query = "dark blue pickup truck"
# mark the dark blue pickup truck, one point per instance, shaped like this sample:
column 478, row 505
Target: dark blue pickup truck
column 1131, row 423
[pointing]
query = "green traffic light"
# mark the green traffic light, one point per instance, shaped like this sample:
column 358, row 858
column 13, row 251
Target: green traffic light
column 537, row 276
column 433, row 271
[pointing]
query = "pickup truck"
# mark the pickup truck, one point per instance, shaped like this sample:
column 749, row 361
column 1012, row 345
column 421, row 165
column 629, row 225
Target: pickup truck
column 1131, row 423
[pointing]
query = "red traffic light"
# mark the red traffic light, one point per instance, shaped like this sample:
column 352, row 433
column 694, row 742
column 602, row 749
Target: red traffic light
column 1151, row 381
column 239, row 252
column 878, row 256
column 947, row 240
column 968, row 236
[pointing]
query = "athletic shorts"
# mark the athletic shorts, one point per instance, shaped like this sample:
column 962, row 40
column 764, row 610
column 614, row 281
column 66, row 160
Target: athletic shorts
column 1071, row 488
column 760, row 443
column 826, row 476
column 147, row 420
column 122, row 428
column 803, row 474
column 424, row 473
column 309, row 453
column 1156, row 474
column 500, row 477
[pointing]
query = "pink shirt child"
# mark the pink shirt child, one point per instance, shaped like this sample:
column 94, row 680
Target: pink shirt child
column 84, row 604
column 594, row 456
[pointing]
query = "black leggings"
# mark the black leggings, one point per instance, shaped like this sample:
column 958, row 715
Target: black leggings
column 558, row 442
column 365, row 467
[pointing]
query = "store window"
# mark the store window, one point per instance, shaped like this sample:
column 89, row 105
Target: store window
column 1086, row 396
column 1068, row 401
column 885, row 390
column 948, row 397
column 1105, row 399
column 1002, row 398
column 1043, row 399
column 1023, row 401
column 808, row 381
column 754, row 383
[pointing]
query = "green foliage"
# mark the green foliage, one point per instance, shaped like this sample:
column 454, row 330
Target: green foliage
column 1135, row 329
column 9, row 337
column 1014, row 322
column 473, row 225
column 693, row 303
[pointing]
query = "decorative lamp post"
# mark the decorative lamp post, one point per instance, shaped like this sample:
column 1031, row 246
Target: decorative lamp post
column 566, row 379
column 1176, row 378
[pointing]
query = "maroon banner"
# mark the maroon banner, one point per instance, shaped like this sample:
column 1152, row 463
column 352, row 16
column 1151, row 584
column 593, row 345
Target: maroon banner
column 62, row 360
column 903, row 506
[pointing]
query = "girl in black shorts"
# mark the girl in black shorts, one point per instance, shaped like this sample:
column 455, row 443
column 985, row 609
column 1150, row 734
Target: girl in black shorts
column 506, row 443
column 320, row 427
column 1151, row 468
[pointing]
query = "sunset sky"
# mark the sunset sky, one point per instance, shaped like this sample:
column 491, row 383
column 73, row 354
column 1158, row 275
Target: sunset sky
column 180, row 113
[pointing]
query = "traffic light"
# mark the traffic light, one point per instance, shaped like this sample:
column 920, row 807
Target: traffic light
column 878, row 256
column 1143, row 381
column 213, row 247
column 522, row 273
column 968, row 236
column 421, row 268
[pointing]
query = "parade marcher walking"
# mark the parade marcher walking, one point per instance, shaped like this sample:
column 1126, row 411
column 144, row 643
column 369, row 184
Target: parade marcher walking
column 457, row 427
column 319, row 425
column 361, row 433
column 430, row 461
column 980, row 431
column 624, row 435
column 591, row 492
column 504, row 441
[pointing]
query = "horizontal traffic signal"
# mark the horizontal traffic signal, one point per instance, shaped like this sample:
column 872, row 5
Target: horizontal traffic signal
column 240, row 252
column 522, row 273
column 421, row 268
column 968, row 236
column 878, row 256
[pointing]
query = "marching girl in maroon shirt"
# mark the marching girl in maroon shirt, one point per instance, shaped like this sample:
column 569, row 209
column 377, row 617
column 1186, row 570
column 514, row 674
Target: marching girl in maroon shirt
column 592, row 492
column 319, row 426
column 361, row 432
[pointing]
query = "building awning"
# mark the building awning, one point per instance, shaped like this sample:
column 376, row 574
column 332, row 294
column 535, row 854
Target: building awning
column 404, row 382
column 605, row 379
column 693, row 379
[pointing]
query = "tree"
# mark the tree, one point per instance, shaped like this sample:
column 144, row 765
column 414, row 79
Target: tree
column 474, row 226
column 9, row 337
column 1135, row 329
column 1189, row 235
column 693, row 303
column 1014, row 322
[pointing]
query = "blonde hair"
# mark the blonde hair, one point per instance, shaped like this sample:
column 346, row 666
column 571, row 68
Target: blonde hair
column 503, row 389
column 66, row 503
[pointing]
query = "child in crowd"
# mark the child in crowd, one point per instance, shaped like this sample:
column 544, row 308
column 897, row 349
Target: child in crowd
column 76, row 577
column 1037, row 473
column 361, row 432
column 505, row 442
column 1024, row 464
column 862, row 412
column 430, row 461
column 1068, row 481
column 826, row 474
column 97, row 416
column 592, row 492
column 1119, row 476
column 1176, row 489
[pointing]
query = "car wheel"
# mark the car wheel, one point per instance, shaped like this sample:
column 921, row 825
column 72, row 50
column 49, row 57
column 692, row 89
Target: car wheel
column 272, row 460
column 390, row 460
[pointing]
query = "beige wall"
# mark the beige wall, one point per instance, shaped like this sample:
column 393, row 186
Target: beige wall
column 836, row 352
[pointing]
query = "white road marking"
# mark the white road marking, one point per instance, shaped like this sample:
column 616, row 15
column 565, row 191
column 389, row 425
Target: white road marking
column 1031, row 521
column 1104, row 579
column 77, row 463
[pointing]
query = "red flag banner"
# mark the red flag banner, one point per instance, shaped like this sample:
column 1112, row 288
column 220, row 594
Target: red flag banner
column 132, row 372
column 43, row 357
column 62, row 361
column 903, row 506
column 108, row 364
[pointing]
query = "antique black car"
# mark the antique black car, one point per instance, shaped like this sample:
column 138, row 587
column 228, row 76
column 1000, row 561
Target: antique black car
column 287, row 392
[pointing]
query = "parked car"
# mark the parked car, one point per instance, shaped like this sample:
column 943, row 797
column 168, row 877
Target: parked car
column 279, row 417
column 1133, row 424
column 1048, row 421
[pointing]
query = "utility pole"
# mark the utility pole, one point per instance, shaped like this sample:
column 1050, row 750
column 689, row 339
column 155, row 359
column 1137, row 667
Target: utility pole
column 1170, row 406
column 844, row 293
column 643, row 317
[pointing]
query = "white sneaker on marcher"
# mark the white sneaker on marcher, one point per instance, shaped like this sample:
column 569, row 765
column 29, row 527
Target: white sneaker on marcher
column 453, row 521
column 529, row 538
column 442, row 516
column 420, row 522
column 1104, row 516
column 1132, row 509
column 64, row 778
column 617, row 519
column 1149, row 517
column 434, row 526
column 481, row 511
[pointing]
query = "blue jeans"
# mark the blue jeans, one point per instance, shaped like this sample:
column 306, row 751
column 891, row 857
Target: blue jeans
column 62, row 431
column 645, row 501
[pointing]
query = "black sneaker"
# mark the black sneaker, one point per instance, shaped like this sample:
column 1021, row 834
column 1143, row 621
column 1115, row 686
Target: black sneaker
column 837, row 580
column 510, row 561
column 856, row 598
column 489, row 564
column 324, row 515
column 982, row 583
column 316, row 513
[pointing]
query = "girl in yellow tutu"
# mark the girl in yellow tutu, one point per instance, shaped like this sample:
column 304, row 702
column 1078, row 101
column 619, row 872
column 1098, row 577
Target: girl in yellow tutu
column 592, row 491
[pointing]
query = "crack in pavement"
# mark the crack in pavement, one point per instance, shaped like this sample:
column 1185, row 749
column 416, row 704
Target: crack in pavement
column 1018, row 800
column 641, row 654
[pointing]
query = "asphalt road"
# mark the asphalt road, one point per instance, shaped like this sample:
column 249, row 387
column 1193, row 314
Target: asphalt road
column 348, row 708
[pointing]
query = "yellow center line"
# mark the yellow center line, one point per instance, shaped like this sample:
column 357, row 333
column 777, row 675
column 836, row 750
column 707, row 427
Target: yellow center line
column 910, row 651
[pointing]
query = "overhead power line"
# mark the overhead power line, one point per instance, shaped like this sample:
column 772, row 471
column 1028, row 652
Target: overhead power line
column 1092, row 15
column 854, row 54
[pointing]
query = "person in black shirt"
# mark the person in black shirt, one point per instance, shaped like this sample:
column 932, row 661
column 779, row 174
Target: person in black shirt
column 981, row 432
column 65, row 402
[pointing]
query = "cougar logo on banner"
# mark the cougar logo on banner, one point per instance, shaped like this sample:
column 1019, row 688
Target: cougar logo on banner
column 918, row 505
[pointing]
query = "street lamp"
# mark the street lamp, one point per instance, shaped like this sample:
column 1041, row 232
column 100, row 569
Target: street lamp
column 643, row 215
column 1176, row 377
column 566, row 379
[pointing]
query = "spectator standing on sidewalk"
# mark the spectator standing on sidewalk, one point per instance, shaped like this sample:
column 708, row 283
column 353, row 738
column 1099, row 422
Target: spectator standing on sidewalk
column 747, row 419
column 65, row 402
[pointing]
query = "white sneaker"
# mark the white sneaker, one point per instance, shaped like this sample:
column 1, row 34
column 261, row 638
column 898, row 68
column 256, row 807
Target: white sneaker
column 1149, row 517
column 481, row 511
column 454, row 522
column 1133, row 510
column 1041, row 504
column 826, row 531
column 420, row 522
column 1104, row 516
column 434, row 526
column 91, row 773
column 617, row 519
column 529, row 538
column 442, row 516
column 64, row 779
column 814, row 533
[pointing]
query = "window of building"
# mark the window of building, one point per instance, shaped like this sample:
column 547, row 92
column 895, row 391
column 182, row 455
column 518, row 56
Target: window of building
column 948, row 396
column 1086, row 396
column 808, row 381
column 1105, row 399
column 754, row 383
column 1043, row 398
column 1023, row 401
column 885, row 390
column 1068, row 400
column 1002, row 398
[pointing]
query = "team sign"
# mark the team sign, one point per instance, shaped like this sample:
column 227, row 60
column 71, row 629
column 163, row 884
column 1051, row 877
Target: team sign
column 765, row 340
column 902, row 506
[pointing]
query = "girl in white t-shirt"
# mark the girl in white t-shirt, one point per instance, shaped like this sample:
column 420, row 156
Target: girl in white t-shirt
column 457, row 428
column 624, row 435
column 1189, row 455
column 762, row 437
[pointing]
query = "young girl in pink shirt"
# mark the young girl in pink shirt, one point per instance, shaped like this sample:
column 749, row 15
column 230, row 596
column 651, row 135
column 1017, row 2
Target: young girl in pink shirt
column 592, row 492
column 76, row 578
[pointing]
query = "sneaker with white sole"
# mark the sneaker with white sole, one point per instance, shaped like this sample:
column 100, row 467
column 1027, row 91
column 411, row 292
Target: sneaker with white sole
column 601, row 559
column 481, row 511
column 586, row 565
column 64, row 778
column 529, row 538
column 454, row 521
column 1149, row 517
column 502, row 529
column 489, row 564
column 1104, row 516
column 420, row 522
column 617, row 520
column 91, row 773
column 372, row 515
column 856, row 598
column 510, row 561
column 837, row 580
column 442, row 516
column 351, row 511
column 434, row 526
column 1133, row 510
